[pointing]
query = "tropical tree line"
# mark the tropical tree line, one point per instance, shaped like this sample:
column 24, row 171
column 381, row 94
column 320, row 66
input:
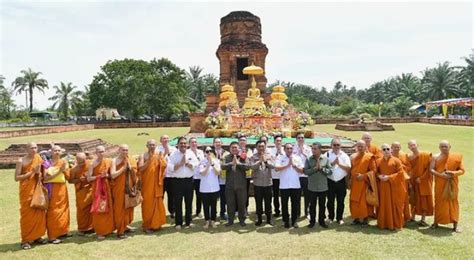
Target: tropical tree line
column 161, row 89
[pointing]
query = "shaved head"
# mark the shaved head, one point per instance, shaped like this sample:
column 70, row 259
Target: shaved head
column 81, row 158
column 151, row 141
column 444, row 147
column 396, row 147
column 360, row 146
column 413, row 146
column 367, row 138
column 100, row 148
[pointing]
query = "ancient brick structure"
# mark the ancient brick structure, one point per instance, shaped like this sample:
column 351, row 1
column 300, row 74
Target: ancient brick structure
column 241, row 45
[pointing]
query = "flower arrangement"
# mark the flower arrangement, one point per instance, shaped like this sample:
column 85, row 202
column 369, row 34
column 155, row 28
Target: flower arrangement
column 302, row 120
column 214, row 120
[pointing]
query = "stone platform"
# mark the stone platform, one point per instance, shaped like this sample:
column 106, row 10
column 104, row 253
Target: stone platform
column 9, row 156
column 373, row 126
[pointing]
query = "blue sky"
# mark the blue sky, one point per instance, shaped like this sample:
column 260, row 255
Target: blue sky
column 317, row 43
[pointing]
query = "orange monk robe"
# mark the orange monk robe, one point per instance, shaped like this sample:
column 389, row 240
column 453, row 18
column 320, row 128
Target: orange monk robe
column 423, row 190
column 32, row 221
column 57, row 215
column 362, row 164
column 375, row 150
column 446, row 210
column 103, row 223
column 83, row 199
column 403, row 157
column 153, row 209
column 391, row 193
column 121, row 214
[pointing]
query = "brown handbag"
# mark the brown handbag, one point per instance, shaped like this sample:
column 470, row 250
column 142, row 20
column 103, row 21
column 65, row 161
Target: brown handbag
column 40, row 198
column 449, row 193
column 133, row 195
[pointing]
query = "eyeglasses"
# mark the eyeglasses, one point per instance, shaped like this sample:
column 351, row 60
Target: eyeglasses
column 385, row 149
column 336, row 145
column 208, row 151
column 300, row 137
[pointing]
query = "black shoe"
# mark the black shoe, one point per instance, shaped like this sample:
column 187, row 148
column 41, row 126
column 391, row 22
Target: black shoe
column 276, row 215
column 355, row 222
column 295, row 225
column 365, row 223
column 270, row 222
column 242, row 224
column 311, row 225
column 258, row 223
column 41, row 241
column 324, row 225
column 287, row 225
column 228, row 224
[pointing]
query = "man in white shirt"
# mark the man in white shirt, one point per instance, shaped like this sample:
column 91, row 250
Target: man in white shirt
column 167, row 150
column 275, row 153
column 341, row 166
column 303, row 151
column 182, row 164
column 193, row 147
column 290, row 168
column 220, row 154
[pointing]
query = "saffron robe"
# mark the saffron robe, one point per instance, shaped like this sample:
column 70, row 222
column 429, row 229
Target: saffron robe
column 362, row 164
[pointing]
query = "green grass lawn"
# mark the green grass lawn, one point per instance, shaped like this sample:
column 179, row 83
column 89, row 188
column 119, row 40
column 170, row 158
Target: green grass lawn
column 271, row 242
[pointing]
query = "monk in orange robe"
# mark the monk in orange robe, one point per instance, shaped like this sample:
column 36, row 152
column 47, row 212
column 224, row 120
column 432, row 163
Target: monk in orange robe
column 103, row 223
column 372, row 148
column 421, row 182
column 403, row 157
column 446, row 167
column 152, row 167
column 122, row 166
column 57, row 215
column 363, row 163
column 32, row 220
column 391, row 183
column 78, row 176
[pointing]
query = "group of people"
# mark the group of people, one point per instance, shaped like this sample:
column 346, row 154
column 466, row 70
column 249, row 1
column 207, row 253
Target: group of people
column 384, row 183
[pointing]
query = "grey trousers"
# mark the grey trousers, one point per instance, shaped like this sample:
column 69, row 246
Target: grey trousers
column 236, row 200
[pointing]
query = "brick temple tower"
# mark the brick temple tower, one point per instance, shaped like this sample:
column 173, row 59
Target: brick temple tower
column 241, row 45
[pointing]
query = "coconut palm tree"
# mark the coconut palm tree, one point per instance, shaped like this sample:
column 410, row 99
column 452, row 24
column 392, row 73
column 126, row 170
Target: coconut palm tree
column 440, row 82
column 409, row 86
column 65, row 98
column 195, row 85
column 28, row 82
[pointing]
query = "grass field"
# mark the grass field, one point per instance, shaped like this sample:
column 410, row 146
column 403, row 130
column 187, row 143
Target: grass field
column 268, row 242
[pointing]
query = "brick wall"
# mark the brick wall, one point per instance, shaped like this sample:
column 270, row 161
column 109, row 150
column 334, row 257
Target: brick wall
column 44, row 130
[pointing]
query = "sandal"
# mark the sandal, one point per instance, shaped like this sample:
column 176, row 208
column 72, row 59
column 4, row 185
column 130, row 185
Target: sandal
column 25, row 246
column 434, row 226
column 122, row 236
column 41, row 241
column 423, row 223
column 100, row 238
column 55, row 241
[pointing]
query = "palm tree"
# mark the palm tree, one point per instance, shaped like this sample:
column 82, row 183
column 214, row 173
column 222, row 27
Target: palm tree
column 195, row 85
column 465, row 79
column 440, row 82
column 409, row 86
column 65, row 98
column 28, row 82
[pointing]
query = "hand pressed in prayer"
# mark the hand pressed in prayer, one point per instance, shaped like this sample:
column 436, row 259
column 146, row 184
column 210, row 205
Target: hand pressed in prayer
column 359, row 177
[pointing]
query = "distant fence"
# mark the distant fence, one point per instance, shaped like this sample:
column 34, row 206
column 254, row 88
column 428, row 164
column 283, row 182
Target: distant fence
column 401, row 120
column 141, row 125
column 44, row 130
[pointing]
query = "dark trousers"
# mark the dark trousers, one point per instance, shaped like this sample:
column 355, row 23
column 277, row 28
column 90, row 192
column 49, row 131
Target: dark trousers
column 263, row 194
column 197, row 183
column 183, row 188
column 336, row 191
column 168, row 187
column 304, row 189
column 222, row 199
column 276, row 195
column 235, row 199
column 314, row 199
column 209, row 201
column 295, row 196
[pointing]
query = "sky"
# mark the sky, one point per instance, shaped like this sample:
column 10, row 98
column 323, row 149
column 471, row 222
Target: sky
column 313, row 43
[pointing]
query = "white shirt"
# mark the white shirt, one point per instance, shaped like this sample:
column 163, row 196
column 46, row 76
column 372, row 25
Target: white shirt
column 221, row 154
column 303, row 154
column 273, row 154
column 161, row 149
column 337, row 172
column 200, row 156
column 210, row 181
column 289, row 177
column 183, row 171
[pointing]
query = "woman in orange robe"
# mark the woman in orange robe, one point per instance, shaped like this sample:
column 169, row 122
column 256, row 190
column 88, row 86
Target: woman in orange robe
column 152, row 167
column 120, row 166
column 83, row 194
column 103, row 223
column 362, row 164
column 447, row 167
column 57, row 215
column 32, row 221
column 391, row 183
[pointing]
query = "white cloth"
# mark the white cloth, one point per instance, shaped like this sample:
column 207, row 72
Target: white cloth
column 210, row 180
column 183, row 171
column 275, row 156
column 337, row 172
column 289, row 177
column 303, row 154
column 161, row 149
column 200, row 156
